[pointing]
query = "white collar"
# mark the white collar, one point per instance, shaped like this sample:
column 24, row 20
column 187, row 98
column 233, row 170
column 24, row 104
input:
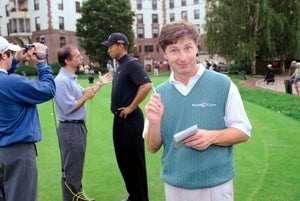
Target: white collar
column 5, row 71
column 198, row 74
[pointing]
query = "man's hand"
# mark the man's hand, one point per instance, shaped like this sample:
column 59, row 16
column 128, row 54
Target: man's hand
column 124, row 111
column 154, row 109
column 38, row 48
column 20, row 55
column 201, row 140
column 89, row 93
column 105, row 79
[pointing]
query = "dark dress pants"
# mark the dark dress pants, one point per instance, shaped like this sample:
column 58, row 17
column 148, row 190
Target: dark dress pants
column 72, row 143
column 130, row 154
column 18, row 173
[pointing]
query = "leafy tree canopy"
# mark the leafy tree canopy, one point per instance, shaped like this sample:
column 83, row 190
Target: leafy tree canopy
column 244, row 30
column 99, row 19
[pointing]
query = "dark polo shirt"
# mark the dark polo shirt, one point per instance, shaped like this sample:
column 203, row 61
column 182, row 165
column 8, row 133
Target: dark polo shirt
column 129, row 76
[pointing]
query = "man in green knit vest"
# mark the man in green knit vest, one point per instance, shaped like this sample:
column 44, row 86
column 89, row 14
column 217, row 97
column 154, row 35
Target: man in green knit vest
column 202, row 168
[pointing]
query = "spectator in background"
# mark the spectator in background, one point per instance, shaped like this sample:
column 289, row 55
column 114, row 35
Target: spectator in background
column 296, row 76
column 156, row 68
column 214, row 66
column 269, row 77
column 110, row 68
column 292, row 69
column 207, row 64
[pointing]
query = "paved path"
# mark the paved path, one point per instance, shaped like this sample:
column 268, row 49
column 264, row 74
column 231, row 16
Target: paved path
column 277, row 86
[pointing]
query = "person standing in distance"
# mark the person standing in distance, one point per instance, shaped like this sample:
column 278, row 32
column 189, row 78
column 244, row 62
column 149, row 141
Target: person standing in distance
column 20, row 126
column 131, row 84
column 70, row 101
column 202, row 169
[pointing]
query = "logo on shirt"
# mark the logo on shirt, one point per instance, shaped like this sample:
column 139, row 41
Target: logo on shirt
column 204, row 104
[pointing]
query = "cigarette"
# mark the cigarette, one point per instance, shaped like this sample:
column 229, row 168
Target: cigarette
column 153, row 88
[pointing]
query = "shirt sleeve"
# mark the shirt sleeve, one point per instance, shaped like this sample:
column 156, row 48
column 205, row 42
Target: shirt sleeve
column 138, row 74
column 32, row 91
column 14, row 66
column 235, row 114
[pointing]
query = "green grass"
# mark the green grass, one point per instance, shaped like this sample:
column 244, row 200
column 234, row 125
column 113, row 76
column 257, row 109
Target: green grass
column 267, row 165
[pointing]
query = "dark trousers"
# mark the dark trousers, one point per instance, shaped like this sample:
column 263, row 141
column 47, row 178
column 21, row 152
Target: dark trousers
column 18, row 173
column 72, row 144
column 130, row 154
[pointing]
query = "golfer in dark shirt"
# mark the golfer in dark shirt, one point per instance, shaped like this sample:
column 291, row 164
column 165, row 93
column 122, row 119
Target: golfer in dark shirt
column 131, row 84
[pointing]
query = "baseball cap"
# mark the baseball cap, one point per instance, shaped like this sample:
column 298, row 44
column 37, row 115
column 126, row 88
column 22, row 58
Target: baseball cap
column 5, row 45
column 115, row 38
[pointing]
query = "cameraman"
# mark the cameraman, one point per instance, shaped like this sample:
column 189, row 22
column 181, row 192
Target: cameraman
column 19, row 121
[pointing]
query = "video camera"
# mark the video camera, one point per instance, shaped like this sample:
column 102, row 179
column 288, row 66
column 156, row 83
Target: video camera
column 29, row 47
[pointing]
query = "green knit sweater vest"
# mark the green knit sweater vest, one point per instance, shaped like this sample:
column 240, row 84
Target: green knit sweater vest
column 204, row 105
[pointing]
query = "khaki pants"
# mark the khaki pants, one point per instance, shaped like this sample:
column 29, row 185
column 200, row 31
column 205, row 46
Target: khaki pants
column 222, row 192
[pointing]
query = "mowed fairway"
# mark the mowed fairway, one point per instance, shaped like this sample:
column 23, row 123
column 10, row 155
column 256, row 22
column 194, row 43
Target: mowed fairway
column 267, row 166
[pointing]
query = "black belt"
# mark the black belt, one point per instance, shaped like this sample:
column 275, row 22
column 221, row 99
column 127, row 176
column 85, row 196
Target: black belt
column 73, row 121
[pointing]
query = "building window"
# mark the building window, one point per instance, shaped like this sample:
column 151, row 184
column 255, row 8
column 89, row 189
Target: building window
column 37, row 23
column 139, row 4
column 198, row 28
column 24, row 25
column 155, row 32
column 172, row 17
column 139, row 19
column 140, row 33
column 8, row 28
column 154, row 18
column 196, row 1
column 27, row 25
column 148, row 48
column 140, row 49
column 183, row 2
column 61, row 23
column 21, row 25
column 60, row 5
column 171, row 3
column 7, row 10
column 62, row 41
column 154, row 4
column 13, row 26
column 36, row 5
column 184, row 15
column 196, row 14
column 77, row 5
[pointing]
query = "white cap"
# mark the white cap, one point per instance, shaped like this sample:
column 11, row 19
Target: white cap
column 5, row 45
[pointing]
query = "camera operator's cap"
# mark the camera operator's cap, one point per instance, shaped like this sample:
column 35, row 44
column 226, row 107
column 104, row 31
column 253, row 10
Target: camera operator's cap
column 116, row 38
column 5, row 45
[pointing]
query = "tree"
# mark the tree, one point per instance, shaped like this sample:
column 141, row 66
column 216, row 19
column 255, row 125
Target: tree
column 99, row 19
column 243, row 30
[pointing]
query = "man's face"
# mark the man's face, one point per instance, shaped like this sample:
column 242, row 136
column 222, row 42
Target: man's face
column 182, row 56
column 6, row 58
column 76, row 58
column 114, row 50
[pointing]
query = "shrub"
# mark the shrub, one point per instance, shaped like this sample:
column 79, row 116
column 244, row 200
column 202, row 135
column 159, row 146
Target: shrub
column 26, row 70
column 55, row 67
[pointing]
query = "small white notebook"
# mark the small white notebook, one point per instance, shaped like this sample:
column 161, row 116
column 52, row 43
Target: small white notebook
column 178, row 137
